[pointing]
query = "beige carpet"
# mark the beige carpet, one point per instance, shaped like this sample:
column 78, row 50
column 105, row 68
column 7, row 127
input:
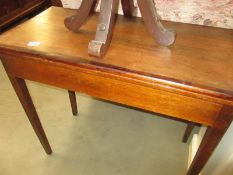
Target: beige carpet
column 105, row 139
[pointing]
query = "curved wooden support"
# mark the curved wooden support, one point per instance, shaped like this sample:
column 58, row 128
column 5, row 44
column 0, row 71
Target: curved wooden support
column 108, row 9
column 163, row 36
column 74, row 22
column 128, row 7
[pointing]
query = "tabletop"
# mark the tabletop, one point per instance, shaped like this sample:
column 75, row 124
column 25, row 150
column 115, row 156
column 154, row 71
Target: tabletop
column 201, row 60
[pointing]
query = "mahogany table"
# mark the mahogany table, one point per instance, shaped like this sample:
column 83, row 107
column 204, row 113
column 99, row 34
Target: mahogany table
column 190, row 80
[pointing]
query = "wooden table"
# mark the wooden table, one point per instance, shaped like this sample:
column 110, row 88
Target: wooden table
column 191, row 80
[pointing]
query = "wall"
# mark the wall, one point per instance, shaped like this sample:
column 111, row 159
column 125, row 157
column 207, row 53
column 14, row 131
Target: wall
column 217, row 13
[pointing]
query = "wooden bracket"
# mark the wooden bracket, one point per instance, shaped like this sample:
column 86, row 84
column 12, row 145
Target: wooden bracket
column 128, row 7
column 108, row 10
column 153, row 24
column 74, row 22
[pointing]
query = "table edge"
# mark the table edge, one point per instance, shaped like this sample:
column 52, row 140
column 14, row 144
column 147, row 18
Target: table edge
column 169, row 84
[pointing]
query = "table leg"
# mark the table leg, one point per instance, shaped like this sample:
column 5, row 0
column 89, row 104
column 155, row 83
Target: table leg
column 128, row 7
column 73, row 102
column 188, row 131
column 22, row 92
column 108, row 10
column 74, row 22
column 162, row 35
column 211, row 139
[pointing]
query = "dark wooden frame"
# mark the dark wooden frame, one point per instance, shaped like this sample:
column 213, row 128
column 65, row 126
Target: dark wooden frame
column 24, row 10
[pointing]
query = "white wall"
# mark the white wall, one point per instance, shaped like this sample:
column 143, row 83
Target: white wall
column 73, row 4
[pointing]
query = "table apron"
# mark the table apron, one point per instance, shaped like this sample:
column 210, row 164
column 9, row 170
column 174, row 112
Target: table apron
column 115, row 90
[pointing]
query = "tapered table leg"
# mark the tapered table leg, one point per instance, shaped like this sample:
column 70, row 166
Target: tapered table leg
column 128, row 7
column 22, row 92
column 108, row 9
column 188, row 131
column 74, row 22
column 73, row 102
column 211, row 139
column 163, row 36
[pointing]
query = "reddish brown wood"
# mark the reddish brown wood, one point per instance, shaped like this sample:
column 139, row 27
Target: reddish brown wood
column 11, row 11
column 74, row 22
column 57, row 3
column 116, row 88
column 211, row 139
column 130, row 42
column 73, row 102
column 24, row 97
column 188, row 131
column 160, row 34
column 128, row 7
column 100, row 44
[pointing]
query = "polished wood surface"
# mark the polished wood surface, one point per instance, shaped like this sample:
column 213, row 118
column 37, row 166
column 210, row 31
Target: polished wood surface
column 191, row 80
column 115, row 88
column 194, row 64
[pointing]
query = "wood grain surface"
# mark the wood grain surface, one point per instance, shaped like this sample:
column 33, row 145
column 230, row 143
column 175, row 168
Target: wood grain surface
column 115, row 89
column 200, row 61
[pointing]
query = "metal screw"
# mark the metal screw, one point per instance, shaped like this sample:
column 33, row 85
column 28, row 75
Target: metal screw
column 102, row 27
